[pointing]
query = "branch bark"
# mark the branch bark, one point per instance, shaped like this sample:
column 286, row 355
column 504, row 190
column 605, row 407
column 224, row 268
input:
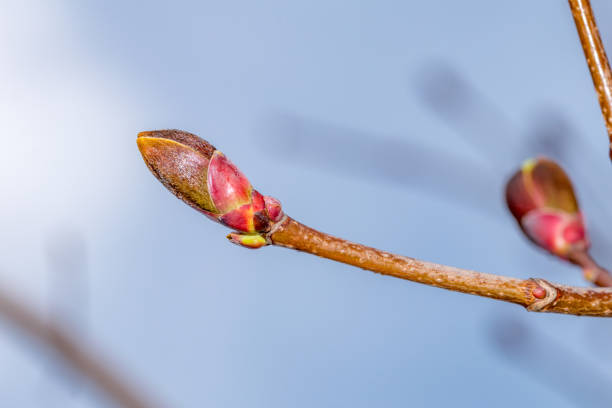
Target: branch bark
column 534, row 294
column 591, row 269
column 596, row 58
column 72, row 352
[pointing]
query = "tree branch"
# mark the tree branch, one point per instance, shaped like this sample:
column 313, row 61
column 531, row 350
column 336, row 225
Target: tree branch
column 73, row 353
column 596, row 58
column 534, row 294
column 591, row 269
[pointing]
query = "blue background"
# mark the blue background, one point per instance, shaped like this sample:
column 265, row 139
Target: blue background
column 391, row 123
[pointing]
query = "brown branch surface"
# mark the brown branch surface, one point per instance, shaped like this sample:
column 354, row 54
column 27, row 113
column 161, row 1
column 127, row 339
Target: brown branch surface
column 74, row 354
column 591, row 270
column 534, row 294
column 596, row 58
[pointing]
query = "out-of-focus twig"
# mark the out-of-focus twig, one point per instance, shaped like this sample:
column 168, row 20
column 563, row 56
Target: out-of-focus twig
column 329, row 146
column 67, row 263
column 596, row 58
column 476, row 118
column 66, row 256
column 73, row 353
column 591, row 270
column 456, row 101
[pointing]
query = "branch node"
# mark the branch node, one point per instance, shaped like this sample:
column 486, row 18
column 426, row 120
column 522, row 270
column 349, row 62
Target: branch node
column 544, row 293
column 275, row 227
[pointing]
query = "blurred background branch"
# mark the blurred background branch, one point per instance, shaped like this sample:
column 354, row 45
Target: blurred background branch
column 50, row 334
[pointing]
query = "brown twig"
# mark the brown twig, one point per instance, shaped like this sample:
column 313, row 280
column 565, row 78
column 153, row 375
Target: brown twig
column 73, row 353
column 534, row 294
column 201, row 176
column 596, row 58
column 591, row 270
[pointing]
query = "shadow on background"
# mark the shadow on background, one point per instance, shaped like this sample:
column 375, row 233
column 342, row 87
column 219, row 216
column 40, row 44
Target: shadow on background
column 473, row 117
column 543, row 359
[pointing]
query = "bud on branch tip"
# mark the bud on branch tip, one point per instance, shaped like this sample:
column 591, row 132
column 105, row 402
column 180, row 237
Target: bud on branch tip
column 541, row 198
column 200, row 175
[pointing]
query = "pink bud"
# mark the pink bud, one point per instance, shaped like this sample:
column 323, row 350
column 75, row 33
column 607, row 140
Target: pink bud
column 228, row 187
column 541, row 198
column 273, row 208
column 555, row 231
column 205, row 179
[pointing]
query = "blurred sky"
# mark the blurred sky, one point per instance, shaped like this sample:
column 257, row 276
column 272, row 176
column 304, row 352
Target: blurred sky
column 197, row 322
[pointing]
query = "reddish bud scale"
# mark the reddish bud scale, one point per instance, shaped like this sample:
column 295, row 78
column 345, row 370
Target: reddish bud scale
column 228, row 187
column 208, row 181
column 539, row 293
column 273, row 208
column 541, row 198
